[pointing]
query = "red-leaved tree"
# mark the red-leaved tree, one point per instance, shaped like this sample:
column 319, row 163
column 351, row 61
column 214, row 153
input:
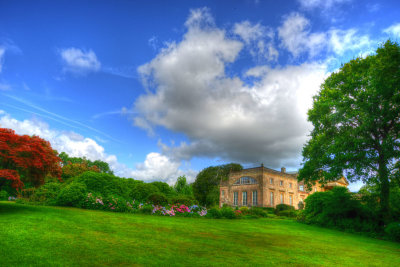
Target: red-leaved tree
column 25, row 158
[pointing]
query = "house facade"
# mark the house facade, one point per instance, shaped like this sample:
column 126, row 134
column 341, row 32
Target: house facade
column 265, row 187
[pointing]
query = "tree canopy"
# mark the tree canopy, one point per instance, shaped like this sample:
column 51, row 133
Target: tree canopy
column 82, row 164
column 356, row 119
column 205, row 187
column 25, row 158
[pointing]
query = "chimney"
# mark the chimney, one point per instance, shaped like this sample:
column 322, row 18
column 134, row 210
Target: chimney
column 283, row 170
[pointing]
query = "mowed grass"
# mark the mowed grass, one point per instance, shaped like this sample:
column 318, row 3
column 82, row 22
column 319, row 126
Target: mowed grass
column 53, row 236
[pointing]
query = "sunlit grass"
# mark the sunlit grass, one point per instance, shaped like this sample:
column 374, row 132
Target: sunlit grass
column 45, row 236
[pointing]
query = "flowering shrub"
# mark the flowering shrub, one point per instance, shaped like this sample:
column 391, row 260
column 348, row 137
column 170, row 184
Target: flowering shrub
column 238, row 213
column 111, row 203
column 180, row 210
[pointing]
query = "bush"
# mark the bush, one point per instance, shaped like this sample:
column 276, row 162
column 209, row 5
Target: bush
column 146, row 209
column 282, row 207
column 288, row 213
column 244, row 210
column 184, row 199
column 104, row 184
column 228, row 213
column 142, row 191
column 257, row 211
column 3, row 195
column 48, row 193
column 339, row 209
column 158, row 199
column 392, row 230
column 72, row 195
column 214, row 213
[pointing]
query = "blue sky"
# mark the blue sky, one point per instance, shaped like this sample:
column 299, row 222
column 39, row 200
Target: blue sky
column 160, row 89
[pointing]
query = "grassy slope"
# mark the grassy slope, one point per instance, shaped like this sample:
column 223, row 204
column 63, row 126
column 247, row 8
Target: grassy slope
column 44, row 236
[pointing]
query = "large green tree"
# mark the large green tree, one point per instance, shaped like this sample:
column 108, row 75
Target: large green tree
column 205, row 187
column 356, row 118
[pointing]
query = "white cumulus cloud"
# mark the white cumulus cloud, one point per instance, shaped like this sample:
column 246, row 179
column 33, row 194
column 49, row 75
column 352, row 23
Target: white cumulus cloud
column 78, row 61
column 222, row 116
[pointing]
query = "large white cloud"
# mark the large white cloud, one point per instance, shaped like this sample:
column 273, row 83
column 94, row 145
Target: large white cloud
column 159, row 168
column 78, row 61
column 189, row 91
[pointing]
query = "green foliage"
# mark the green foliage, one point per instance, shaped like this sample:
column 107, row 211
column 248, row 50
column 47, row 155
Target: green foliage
column 339, row 208
column 282, row 207
column 301, row 205
column 392, row 230
column 288, row 213
column 184, row 199
column 370, row 196
column 158, row 198
column 146, row 209
column 72, row 195
column 48, row 193
column 228, row 213
column 163, row 188
column 104, row 184
column 214, row 213
column 3, row 195
column 258, row 211
column 142, row 191
column 355, row 118
column 205, row 187
column 182, row 187
column 102, row 166
column 244, row 210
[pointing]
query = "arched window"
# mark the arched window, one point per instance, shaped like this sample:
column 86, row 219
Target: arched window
column 246, row 180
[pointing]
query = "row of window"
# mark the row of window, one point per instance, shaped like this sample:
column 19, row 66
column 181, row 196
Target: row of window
column 244, row 198
column 254, row 198
column 249, row 180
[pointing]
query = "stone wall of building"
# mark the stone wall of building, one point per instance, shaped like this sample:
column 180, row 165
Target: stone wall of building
column 272, row 188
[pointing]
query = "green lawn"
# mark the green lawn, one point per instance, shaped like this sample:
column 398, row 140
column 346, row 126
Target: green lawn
column 48, row 236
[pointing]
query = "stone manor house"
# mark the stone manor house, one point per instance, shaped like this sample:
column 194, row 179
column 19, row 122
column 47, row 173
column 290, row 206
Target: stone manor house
column 266, row 187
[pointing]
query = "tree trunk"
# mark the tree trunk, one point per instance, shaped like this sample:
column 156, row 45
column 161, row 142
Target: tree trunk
column 385, row 191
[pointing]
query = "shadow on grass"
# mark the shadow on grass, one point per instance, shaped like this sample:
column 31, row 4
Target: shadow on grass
column 11, row 207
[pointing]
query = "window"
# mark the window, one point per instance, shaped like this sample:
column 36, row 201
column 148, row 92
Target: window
column 281, row 183
column 271, row 181
column 281, row 198
column 301, row 187
column 290, row 185
column 235, row 198
column 244, row 198
column 272, row 198
column 245, row 180
column 291, row 200
column 222, row 193
column 254, row 198
column 315, row 189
